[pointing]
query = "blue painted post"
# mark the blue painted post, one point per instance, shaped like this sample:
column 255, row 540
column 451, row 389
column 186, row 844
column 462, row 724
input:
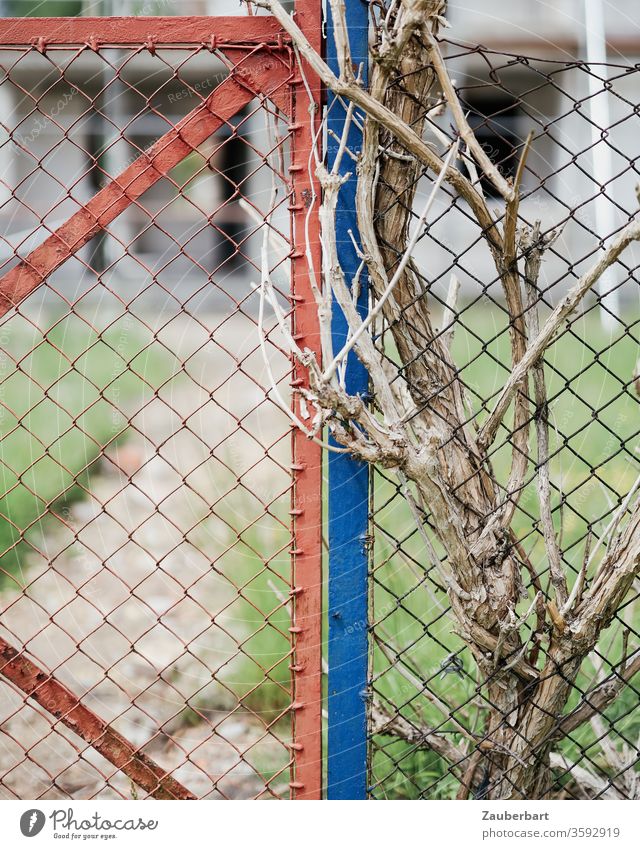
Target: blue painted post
column 348, row 488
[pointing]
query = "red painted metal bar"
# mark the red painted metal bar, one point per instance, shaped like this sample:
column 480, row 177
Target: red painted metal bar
column 259, row 72
column 59, row 701
column 307, row 455
column 267, row 72
column 252, row 29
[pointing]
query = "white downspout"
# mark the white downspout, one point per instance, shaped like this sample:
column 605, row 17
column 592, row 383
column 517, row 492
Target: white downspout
column 600, row 116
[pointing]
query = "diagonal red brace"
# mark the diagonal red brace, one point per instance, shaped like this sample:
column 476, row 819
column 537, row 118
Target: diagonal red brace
column 260, row 71
column 55, row 698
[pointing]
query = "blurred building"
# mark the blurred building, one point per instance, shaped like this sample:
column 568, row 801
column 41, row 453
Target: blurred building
column 72, row 121
column 582, row 173
column 57, row 151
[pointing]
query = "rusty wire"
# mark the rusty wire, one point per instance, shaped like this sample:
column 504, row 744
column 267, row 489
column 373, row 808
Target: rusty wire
column 145, row 573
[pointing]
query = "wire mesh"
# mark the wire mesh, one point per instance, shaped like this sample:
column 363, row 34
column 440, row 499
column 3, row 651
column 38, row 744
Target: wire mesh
column 580, row 180
column 146, row 554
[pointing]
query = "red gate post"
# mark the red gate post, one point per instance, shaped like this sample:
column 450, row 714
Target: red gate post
column 307, row 507
column 257, row 39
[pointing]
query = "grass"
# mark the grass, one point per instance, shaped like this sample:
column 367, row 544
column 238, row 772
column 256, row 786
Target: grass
column 249, row 550
column 64, row 397
column 254, row 568
column 594, row 416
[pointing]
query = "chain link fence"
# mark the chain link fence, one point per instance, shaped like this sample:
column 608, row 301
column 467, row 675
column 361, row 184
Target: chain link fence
column 152, row 566
column 428, row 712
column 147, row 584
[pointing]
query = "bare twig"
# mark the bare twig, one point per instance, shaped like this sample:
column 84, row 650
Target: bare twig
column 380, row 303
column 597, row 699
column 512, row 206
column 421, row 737
column 395, row 125
column 488, row 167
column 341, row 35
column 538, row 346
column 533, row 246
column 449, row 315
column 598, row 785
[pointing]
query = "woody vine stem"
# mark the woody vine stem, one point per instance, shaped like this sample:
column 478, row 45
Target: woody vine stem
column 528, row 646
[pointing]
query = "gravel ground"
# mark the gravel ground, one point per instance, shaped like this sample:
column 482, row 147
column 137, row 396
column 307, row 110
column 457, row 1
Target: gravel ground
column 133, row 603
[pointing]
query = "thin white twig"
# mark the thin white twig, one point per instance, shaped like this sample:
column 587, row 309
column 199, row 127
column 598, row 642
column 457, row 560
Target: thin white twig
column 449, row 315
column 266, row 293
column 377, row 309
column 321, row 297
column 607, row 534
column 538, row 346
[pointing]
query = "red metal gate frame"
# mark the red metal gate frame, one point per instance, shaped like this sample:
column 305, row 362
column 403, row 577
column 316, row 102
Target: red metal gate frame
column 256, row 45
column 307, row 454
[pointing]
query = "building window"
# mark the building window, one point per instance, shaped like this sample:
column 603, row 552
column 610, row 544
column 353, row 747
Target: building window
column 230, row 164
column 496, row 119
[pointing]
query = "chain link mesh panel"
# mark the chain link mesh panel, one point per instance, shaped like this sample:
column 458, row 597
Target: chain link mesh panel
column 146, row 554
column 429, row 704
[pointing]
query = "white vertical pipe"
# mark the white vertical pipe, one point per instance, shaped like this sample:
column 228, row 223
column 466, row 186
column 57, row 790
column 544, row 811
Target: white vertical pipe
column 600, row 115
column 8, row 152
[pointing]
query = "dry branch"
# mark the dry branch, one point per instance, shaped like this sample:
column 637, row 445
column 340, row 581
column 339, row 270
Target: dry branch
column 597, row 700
column 418, row 422
column 563, row 310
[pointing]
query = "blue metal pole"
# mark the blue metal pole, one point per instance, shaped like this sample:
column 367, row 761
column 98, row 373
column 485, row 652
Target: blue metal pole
column 348, row 485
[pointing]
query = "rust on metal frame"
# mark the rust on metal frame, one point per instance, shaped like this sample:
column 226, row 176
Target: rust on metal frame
column 61, row 703
column 307, row 498
column 252, row 29
column 258, row 72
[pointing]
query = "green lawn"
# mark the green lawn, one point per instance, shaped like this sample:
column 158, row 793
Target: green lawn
column 67, row 395
column 594, row 413
column 64, row 397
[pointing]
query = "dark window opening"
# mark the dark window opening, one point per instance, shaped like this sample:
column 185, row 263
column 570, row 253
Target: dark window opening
column 231, row 161
column 97, row 133
column 496, row 118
